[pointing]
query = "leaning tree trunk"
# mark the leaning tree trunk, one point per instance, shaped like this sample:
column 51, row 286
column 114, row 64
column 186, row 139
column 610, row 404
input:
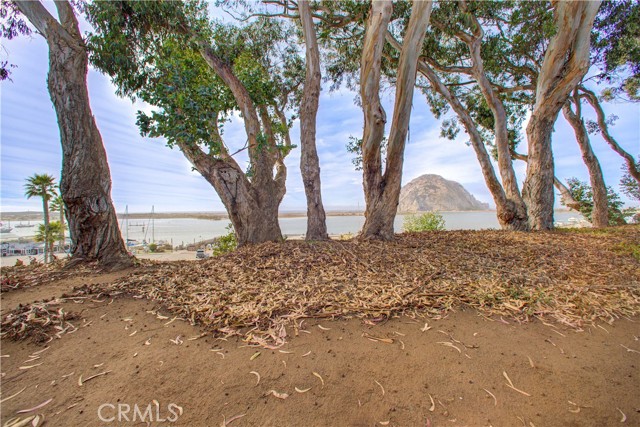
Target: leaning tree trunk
column 505, row 163
column 600, row 211
column 506, row 210
column 382, row 192
column 565, row 63
column 632, row 167
column 309, row 162
column 86, row 179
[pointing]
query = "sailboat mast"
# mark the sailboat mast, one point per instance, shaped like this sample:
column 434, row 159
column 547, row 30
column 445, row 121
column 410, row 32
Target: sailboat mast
column 153, row 225
column 126, row 225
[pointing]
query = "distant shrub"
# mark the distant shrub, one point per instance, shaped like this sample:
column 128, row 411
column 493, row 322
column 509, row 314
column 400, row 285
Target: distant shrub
column 225, row 244
column 153, row 247
column 428, row 221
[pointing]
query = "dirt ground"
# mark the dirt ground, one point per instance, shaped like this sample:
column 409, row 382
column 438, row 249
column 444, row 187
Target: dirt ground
column 454, row 371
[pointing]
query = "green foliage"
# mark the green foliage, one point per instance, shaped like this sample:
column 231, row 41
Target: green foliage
column 57, row 204
column 428, row 221
column 40, row 185
column 149, row 50
column 12, row 24
column 153, row 247
column 48, row 236
column 616, row 47
column 509, row 59
column 354, row 146
column 629, row 185
column 227, row 243
column 583, row 194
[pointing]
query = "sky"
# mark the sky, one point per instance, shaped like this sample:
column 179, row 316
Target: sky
column 146, row 173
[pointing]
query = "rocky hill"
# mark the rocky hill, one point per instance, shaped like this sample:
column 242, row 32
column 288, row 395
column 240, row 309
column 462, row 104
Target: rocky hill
column 433, row 192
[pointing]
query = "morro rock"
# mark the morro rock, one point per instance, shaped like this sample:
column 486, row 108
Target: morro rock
column 434, row 193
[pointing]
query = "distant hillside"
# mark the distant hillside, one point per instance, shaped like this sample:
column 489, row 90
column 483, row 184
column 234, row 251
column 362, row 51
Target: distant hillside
column 434, row 193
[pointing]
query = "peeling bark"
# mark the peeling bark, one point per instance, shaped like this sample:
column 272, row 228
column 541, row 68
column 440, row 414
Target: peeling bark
column 600, row 211
column 382, row 191
column 565, row 63
column 86, row 179
column 309, row 161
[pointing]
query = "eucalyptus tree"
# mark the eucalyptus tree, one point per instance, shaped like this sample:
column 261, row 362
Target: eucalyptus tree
column 572, row 111
column 309, row 161
column 196, row 74
column 565, row 62
column 481, row 48
column 302, row 11
column 615, row 60
column 382, row 186
column 616, row 55
column 42, row 185
column 453, row 62
column 86, row 181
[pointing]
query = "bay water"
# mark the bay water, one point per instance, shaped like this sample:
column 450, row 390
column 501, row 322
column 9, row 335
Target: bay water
column 182, row 231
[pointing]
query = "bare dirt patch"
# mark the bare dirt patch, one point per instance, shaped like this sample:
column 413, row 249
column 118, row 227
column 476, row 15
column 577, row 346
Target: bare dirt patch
column 586, row 378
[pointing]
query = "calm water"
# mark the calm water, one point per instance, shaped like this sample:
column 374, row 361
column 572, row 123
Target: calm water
column 184, row 230
column 191, row 230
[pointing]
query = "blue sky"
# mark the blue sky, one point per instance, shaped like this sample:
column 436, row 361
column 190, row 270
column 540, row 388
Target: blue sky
column 145, row 172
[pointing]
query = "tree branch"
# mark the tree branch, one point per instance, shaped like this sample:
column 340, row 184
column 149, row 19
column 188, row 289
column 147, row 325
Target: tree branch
column 604, row 129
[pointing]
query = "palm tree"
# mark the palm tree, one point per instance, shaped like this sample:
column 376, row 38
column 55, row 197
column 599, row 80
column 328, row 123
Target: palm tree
column 57, row 204
column 48, row 236
column 42, row 185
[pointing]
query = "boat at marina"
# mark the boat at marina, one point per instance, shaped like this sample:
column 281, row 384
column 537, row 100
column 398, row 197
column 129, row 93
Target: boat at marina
column 5, row 228
column 27, row 225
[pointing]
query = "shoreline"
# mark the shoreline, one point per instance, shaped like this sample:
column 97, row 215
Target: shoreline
column 213, row 216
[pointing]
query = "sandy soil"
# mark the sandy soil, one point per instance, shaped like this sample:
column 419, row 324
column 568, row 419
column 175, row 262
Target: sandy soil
column 425, row 372
column 182, row 255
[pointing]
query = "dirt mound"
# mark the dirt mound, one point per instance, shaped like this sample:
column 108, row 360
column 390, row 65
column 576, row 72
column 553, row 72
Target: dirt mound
column 261, row 290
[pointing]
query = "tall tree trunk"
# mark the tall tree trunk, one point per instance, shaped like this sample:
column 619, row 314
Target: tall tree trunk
column 600, row 211
column 45, row 208
column 309, row 162
column 633, row 169
column 86, row 179
column 565, row 63
column 382, row 192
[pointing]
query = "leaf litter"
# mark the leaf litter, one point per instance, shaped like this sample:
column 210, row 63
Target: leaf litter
column 259, row 290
